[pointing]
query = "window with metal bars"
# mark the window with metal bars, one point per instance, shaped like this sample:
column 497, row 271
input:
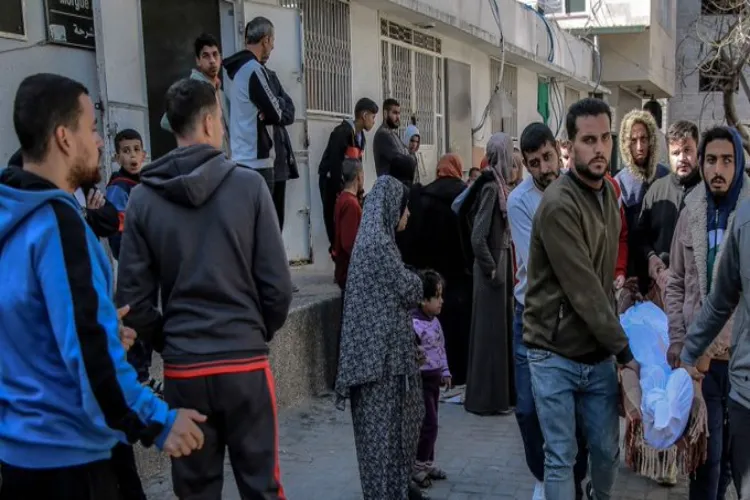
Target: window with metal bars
column 328, row 55
column 504, row 119
column 411, row 73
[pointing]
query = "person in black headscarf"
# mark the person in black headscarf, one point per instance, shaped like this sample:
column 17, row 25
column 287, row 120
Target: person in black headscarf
column 378, row 369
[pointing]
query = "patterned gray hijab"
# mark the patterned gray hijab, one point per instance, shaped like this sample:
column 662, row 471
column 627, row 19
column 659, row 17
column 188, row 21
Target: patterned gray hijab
column 500, row 159
column 376, row 334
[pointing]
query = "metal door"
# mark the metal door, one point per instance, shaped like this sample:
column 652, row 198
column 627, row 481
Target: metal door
column 287, row 61
column 121, row 71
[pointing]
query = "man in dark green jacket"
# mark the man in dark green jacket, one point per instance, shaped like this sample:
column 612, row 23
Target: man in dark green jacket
column 570, row 324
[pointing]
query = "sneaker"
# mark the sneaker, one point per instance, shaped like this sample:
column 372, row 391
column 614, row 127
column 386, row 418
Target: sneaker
column 538, row 491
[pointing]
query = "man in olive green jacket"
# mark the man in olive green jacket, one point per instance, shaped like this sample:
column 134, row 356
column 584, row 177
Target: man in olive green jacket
column 571, row 328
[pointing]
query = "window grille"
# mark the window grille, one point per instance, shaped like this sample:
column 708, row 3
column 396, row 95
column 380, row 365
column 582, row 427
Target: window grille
column 506, row 96
column 328, row 60
column 411, row 73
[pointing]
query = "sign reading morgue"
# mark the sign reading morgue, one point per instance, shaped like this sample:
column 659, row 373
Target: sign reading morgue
column 70, row 22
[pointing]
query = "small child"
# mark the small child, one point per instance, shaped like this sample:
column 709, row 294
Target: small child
column 129, row 154
column 435, row 374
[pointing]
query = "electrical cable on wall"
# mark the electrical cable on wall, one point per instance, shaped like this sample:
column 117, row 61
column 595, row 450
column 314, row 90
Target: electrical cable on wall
column 499, row 84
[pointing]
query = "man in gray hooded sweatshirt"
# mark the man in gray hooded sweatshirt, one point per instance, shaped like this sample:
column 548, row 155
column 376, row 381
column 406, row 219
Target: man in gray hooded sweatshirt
column 203, row 233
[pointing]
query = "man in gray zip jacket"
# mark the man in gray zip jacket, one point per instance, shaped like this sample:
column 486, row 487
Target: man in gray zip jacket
column 731, row 290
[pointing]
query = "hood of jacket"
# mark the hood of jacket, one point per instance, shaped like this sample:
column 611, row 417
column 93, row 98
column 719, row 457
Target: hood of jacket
column 22, row 193
column 410, row 132
column 189, row 175
column 648, row 172
column 234, row 62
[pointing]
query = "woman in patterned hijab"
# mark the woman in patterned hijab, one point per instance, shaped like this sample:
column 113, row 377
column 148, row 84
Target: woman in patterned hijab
column 378, row 368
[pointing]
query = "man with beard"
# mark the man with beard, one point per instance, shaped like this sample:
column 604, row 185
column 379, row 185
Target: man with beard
column 255, row 107
column 202, row 233
column 571, row 329
column 664, row 201
column 639, row 155
column 208, row 69
column 387, row 145
column 67, row 392
column 542, row 160
column 696, row 248
column 725, row 272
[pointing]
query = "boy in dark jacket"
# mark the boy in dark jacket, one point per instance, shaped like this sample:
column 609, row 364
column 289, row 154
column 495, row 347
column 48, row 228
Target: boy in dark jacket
column 129, row 154
column 347, row 140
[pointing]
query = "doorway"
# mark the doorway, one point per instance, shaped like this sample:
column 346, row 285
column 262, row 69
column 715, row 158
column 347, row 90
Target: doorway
column 170, row 28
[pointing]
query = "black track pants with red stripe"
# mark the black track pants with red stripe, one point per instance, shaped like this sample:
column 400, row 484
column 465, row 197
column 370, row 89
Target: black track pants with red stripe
column 241, row 411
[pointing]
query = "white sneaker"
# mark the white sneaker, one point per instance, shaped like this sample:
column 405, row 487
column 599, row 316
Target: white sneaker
column 538, row 491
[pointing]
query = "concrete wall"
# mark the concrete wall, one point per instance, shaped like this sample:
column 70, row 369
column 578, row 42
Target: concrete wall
column 19, row 59
column 688, row 102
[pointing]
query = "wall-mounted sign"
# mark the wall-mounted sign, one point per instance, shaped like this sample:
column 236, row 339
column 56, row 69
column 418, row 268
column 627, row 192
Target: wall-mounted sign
column 70, row 22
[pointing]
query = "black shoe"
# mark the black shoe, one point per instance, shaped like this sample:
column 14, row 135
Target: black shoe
column 415, row 493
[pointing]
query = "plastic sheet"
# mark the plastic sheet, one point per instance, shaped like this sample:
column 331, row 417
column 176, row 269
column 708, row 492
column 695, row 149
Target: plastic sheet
column 667, row 395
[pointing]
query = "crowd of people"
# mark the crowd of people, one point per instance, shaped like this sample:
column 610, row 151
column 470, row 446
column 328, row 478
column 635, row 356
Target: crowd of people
column 522, row 283
column 509, row 285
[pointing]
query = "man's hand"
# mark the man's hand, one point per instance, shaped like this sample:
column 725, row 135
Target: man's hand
column 95, row 200
column 655, row 266
column 662, row 279
column 619, row 282
column 421, row 356
column 673, row 354
column 127, row 335
column 185, row 435
column 447, row 382
column 693, row 371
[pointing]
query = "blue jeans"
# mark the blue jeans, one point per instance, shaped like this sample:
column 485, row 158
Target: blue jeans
column 569, row 394
column 712, row 478
column 528, row 422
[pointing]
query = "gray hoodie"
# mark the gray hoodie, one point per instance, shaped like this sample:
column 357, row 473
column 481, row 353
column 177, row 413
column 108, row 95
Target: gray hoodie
column 204, row 234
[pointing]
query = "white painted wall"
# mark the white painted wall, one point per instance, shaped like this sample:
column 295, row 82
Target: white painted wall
column 608, row 14
column 19, row 59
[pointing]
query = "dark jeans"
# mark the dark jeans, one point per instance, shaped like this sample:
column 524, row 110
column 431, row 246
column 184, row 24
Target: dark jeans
column 429, row 432
column 712, row 478
column 139, row 356
column 739, row 432
column 90, row 481
column 128, row 480
column 279, row 200
column 241, row 411
column 528, row 421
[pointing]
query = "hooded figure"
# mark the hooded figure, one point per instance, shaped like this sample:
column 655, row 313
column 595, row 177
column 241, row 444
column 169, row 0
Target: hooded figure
column 202, row 235
column 635, row 178
column 412, row 139
column 378, row 368
column 489, row 382
column 696, row 247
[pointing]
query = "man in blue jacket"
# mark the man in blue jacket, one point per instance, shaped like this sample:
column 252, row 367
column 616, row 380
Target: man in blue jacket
column 67, row 393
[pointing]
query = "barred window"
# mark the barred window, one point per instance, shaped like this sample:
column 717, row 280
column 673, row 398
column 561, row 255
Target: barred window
column 328, row 59
column 411, row 73
column 504, row 120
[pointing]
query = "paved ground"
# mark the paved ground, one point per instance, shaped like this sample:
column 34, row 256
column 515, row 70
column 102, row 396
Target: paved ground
column 483, row 458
